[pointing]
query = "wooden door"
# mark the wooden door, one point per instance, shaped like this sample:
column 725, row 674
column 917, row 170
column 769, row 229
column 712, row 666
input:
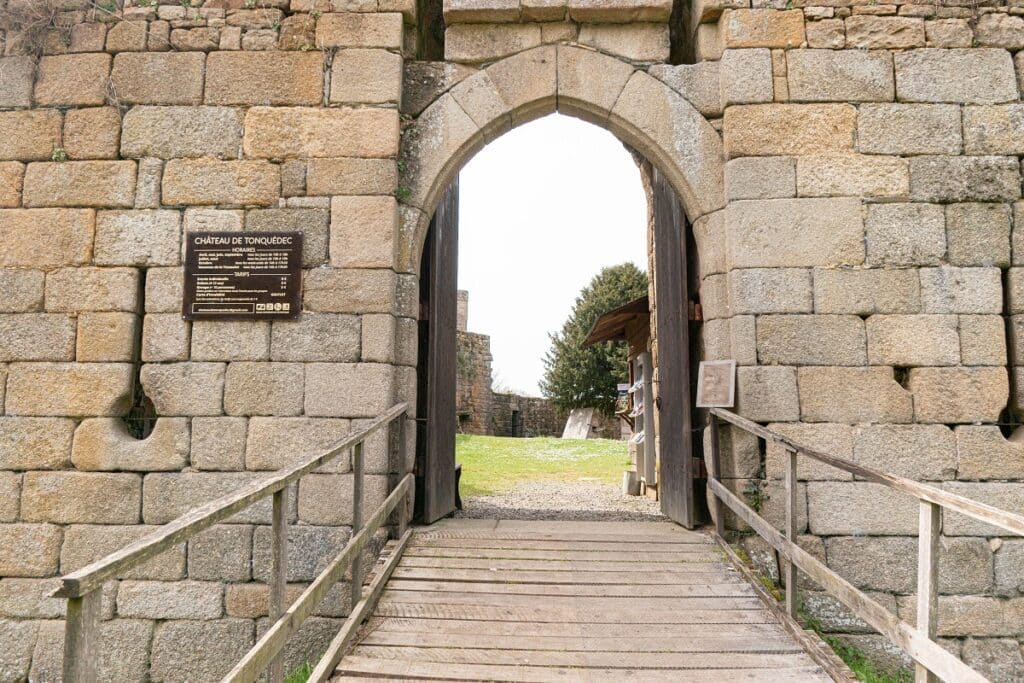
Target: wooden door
column 441, row 260
column 675, row 480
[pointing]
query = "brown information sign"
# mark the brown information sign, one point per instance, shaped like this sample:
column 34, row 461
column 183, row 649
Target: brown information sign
column 243, row 275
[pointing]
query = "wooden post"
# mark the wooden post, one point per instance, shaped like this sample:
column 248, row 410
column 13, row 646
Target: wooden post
column 715, row 472
column 81, row 638
column 403, row 505
column 928, row 579
column 396, row 458
column 279, row 572
column 790, row 567
column 357, row 519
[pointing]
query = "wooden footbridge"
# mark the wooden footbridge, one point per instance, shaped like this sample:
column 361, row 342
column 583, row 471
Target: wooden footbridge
column 550, row 601
column 544, row 601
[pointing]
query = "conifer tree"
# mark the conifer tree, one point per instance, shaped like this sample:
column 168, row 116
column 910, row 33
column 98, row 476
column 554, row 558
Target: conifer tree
column 575, row 377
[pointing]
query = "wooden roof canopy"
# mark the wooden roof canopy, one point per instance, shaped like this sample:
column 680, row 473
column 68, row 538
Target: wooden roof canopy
column 611, row 326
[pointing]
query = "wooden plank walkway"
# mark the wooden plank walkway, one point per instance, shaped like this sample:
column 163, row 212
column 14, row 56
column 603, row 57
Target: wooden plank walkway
column 571, row 601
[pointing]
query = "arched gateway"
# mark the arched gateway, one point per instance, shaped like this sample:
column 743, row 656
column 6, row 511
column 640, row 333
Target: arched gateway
column 851, row 171
column 646, row 114
column 639, row 109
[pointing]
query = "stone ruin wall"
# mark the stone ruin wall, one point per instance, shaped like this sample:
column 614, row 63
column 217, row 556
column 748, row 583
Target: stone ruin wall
column 473, row 394
column 482, row 410
column 472, row 374
column 863, row 272
column 537, row 416
column 866, row 276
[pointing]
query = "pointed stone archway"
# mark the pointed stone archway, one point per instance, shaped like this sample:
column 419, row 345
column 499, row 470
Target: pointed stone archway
column 644, row 113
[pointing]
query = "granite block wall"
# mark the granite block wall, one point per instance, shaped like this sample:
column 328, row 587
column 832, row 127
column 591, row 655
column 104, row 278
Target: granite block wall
column 851, row 170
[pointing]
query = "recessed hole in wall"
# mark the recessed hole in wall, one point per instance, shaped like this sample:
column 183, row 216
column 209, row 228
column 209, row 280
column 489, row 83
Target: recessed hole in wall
column 1008, row 421
column 142, row 416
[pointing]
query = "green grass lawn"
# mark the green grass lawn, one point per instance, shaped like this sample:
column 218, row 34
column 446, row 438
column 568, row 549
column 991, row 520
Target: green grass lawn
column 491, row 464
column 863, row 668
column 300, row 675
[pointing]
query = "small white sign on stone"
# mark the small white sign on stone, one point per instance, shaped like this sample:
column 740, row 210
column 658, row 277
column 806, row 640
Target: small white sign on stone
column 716, row 384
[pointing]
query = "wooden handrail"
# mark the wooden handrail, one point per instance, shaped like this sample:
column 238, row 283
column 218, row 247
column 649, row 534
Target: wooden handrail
column 361, row 611
column 902, row 634
column 1007, row 521
column 86, row 579
column 273, row 641
column 931, row 659
column 81, row 587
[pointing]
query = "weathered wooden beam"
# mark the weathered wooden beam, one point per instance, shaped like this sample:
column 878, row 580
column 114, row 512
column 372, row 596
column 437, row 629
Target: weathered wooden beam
column 357, row 518
column 276, row 637
column 928, row 580
column 903, row 635
column 442, row 249
column 92, row 576
column 747, row 425
column 402, row 511
column 1008, row 521
column 81, row 638
column 811, row 642
column 279, row 572
column 715, row 472
column 675, row 445
column 789, row 571
column 360, row 612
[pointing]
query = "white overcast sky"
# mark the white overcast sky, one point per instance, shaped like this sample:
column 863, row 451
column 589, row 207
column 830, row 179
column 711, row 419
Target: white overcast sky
column 542, row 210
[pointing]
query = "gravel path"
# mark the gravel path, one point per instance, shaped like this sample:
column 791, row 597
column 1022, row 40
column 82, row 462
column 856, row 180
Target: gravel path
column 561, row 500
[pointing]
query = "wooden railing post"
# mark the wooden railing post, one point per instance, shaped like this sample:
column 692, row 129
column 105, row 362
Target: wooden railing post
column 82, row 588
column 714, row 471
column 81, row 638
column 279, row 572
column 357, row 519
column 791, row 496
column 933, row 661
column 928, row 579
column 400, row 453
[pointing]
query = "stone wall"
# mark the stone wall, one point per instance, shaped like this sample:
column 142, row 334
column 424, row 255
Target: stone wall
column 481, row 410
column 473, row 394
column 535, row 416
column 864, row 275
column 118, row 138
column 858, row 257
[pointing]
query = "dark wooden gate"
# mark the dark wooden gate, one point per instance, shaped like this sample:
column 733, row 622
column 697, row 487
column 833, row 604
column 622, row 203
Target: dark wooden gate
column 675, row 478
column 435, row 467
